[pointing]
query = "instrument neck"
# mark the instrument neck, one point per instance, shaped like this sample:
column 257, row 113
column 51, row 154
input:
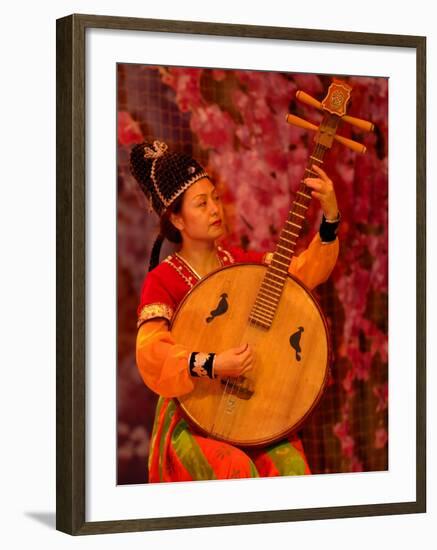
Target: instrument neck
column 268, row 297
column 292, row 229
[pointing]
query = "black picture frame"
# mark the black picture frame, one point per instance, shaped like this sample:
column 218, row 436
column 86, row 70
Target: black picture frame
column 71, row 273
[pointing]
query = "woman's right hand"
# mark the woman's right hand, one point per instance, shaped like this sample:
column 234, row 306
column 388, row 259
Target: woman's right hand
column 234, row 362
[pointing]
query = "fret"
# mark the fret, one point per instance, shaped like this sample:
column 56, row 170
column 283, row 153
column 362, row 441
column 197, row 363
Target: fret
column 276, row 285
column 281, row 237
column 283, row 240
column 277, row 301
column 280, row 267
column 285, row 247
column 282, row 279
column 295, row 224
column 304, row 194
column 311, row 172
column 279, row 262
column 279, row 280
column 282, row 255
column 281, row 271
column 289, row 233
column 300, row 215
column 264, row 309
column 272, row 289
column 316, row 159
column 300, row 204
column 267, row 320
column 275, row 305
column 266, row 302
column 276, row 290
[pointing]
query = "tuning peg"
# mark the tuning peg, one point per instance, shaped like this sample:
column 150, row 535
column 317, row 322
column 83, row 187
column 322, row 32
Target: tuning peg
column 358, row 122
column 309, row 100
column 354, row 145
column 302, row 123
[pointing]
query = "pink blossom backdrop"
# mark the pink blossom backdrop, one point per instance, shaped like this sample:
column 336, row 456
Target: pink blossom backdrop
column 233, row 121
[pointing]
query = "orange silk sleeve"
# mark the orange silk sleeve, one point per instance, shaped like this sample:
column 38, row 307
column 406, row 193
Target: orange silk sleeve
column 162, row 363
column 315, row 264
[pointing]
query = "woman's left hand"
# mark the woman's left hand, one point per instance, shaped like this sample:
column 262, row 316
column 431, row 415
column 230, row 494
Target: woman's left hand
column 323, row 190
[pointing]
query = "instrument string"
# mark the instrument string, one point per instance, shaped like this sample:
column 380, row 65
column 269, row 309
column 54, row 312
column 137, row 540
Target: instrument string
column 231, row 421
column 229, row 390
column 216, row 416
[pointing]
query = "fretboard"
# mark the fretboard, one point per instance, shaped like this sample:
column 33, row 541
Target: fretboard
column 270, row 292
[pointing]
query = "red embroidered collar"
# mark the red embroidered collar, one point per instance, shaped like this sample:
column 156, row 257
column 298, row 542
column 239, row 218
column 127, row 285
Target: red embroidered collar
column 188, row 273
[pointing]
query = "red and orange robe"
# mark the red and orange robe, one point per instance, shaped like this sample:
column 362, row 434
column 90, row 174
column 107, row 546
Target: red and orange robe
column 177, row 452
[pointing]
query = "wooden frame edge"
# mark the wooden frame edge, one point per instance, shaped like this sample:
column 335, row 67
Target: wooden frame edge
column 71, row 269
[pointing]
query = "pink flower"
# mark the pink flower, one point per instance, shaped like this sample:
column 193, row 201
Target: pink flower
column 341, row 429
column 348, row 381
column 128, row 129
column 126, row 450
column 381, row 438
column 214, row 127
column 381, row 392
column 277, row 160
column 186, row 83
column 347, row 445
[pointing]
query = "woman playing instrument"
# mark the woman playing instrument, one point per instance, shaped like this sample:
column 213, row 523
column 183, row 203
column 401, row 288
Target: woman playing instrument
column 191, row 215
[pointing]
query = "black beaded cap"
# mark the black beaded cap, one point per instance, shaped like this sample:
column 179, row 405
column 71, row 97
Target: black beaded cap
column 162, row 174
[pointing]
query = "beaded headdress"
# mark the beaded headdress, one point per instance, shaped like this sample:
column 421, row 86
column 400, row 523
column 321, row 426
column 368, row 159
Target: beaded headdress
column 162, row 174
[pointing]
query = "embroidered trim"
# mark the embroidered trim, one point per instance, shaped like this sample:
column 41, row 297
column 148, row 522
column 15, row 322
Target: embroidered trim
column 151, row 311
column 187, row 184
column 178, row 270
column 191, row 281
column 158, row 149
column 187, row 265
column 201, row 364
column 227, row 254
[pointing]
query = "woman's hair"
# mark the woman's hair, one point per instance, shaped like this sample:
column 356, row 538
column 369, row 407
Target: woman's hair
column 167, row 231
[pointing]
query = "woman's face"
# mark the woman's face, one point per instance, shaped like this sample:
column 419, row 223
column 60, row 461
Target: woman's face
column 201, row 216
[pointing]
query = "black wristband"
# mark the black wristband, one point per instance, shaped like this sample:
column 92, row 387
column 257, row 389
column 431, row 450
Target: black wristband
column 201, row 364
column 328, row 229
